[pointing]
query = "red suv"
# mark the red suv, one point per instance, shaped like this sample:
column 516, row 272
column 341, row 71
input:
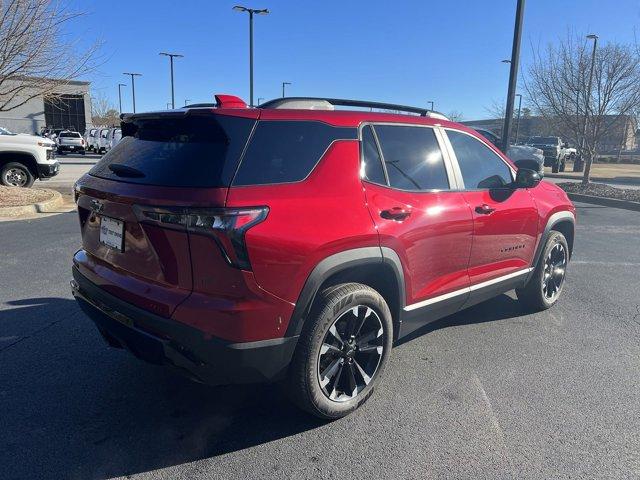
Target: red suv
column 298, row 242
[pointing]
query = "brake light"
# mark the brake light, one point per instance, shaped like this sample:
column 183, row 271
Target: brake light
column 227, row 226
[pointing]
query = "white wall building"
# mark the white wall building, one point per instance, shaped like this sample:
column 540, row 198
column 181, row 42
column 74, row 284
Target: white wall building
column 70, row 107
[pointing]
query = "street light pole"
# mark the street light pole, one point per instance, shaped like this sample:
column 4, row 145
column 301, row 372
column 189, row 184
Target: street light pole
column 431, row 102
column 120, row 85
column 260, row 98
column 251, row 12
column 518, row 120
column 283, row 85
column 513, row 74
column 171, row 57
column 587, row 167
column 133, row 87
column 186, row 101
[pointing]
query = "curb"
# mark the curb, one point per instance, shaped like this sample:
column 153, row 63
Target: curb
column 592, row 179
column 41, row 207
column 605, row 201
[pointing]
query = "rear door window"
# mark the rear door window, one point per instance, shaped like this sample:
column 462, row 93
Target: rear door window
column 286, row 151
column 412, row 158
column 177, row 151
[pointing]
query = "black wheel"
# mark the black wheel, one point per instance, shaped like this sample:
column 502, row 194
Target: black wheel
column 342, row 351
column 545, row 286
column 562, row 166
column 15, row 174
column 555, row 167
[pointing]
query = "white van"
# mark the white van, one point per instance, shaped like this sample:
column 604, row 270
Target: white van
column 102, row 143
column 115, row 135
column 91, row 137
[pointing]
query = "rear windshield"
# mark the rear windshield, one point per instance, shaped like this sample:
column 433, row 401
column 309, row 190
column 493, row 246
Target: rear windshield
column 184, row 151
column 70, row 135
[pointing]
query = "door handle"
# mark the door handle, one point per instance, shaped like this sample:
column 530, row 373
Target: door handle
column 395, row 213
column 485, row 209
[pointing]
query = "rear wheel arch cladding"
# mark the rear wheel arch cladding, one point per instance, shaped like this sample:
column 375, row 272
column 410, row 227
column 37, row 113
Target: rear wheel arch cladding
column 347, row 266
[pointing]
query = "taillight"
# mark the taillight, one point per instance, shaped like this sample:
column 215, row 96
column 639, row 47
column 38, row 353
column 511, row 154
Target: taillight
column 227, row 226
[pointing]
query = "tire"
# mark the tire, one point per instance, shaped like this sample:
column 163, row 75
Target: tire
column 331, row 376
column 555, row 167
column 562, row 166
column 545, row 286
column 16, row 174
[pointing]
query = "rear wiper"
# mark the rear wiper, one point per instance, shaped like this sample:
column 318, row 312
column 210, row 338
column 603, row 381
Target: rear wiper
column 125, row 171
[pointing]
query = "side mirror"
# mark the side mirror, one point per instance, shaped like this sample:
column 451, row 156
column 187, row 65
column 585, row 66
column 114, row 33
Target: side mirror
column 526, row 178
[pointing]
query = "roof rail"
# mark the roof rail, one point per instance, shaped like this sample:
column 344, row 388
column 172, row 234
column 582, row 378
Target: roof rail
column 282, row 103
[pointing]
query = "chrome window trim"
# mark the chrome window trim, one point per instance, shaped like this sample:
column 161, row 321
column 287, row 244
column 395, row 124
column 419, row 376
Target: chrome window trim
column 469, row 289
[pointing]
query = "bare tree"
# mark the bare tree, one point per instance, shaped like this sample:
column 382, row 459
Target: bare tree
column 455, row 116
column 36, row 56
column 497, row 109
column 557, row 83
column 103, row 112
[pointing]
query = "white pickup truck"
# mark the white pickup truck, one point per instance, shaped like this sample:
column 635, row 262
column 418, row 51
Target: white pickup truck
column 25, row 158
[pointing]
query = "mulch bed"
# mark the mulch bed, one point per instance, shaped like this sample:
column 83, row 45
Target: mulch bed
column 16, row 196
column 602, row 190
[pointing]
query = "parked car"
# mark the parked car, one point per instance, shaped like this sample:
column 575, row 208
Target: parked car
column 115, row 135
column 522, row 155
column 25, row 158
column 90, row 138
column 553, row 149
column 69, row 141
column 298, row 242
column 103, row 140
column 570, row 153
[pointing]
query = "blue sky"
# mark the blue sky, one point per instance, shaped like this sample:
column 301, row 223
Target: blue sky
column 406, row 52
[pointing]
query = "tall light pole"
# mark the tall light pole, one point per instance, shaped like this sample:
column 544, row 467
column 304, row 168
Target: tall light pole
column 260, row 98
column 431, row 102
column 587, row 168
column 133, row 87
column 518, row 120
column 171, row 57
column 251, row 12
column 120, row 85
column 513, row 74
column 186, row 101
column 283, row 85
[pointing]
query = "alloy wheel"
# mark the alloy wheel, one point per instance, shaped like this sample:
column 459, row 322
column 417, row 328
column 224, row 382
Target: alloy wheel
column 15, row 177
column 350, row 353
column 555, row 266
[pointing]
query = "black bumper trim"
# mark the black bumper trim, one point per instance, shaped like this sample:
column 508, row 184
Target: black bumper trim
column 163, row 341
column 48, row 170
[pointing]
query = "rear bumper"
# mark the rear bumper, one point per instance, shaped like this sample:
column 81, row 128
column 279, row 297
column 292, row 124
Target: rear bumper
column 70, row 148
column 163, row 341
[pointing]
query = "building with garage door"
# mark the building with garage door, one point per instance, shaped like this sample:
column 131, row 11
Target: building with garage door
column 68, row 107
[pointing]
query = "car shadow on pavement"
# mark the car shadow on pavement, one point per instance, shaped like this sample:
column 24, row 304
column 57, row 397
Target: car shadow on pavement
column 101, row 413
column 75, row 408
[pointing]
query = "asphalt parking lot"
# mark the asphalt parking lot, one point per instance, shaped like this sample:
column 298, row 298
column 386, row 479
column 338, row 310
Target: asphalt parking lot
column 492, row 392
